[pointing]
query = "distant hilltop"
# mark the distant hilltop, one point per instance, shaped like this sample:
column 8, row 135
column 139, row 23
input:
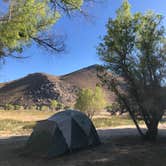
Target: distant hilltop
column 40, row 88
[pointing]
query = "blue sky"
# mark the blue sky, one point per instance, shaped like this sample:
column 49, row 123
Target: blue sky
column 83, row 36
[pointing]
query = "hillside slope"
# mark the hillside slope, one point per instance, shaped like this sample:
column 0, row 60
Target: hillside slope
column 40, row 88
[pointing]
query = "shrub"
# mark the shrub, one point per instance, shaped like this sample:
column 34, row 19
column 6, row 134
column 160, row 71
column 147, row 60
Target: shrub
column 114, row 108
column 32, row 107
column 60, row 106
column 9, row 107
column 44, row 108
column 17, row 107
column 53, row 104
column 67, row 107
column 90, row 101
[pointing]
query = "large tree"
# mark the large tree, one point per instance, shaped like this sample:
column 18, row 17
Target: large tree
column 28, row 21
column 134, row 48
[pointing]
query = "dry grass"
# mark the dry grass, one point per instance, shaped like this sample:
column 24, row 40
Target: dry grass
column 121, row 147
column 10, row 127
column 113, row 121
column 22, row 122
column 25, row 115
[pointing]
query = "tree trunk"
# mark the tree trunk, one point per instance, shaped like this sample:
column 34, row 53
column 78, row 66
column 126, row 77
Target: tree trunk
column 152, row 132
column 136, row 124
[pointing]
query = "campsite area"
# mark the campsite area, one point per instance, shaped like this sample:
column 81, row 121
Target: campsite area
column 121, row 145
column 82, row 83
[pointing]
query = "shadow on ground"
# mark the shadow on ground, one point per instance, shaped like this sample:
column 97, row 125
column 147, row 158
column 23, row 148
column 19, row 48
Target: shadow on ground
column 120, row 147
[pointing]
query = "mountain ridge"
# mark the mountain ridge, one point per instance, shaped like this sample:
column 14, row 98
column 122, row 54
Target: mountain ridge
column 40, row 88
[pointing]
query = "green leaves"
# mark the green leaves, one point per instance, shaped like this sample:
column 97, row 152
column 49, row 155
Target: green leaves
column 26, row 19
column 133, row 42
column 53, row 104
column 123, row 13
column 90, row 101
column 134, row 48
column 118, row 44
column 73, row 4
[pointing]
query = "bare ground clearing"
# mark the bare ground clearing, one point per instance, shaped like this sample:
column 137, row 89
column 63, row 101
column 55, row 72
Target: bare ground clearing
column 121, row 146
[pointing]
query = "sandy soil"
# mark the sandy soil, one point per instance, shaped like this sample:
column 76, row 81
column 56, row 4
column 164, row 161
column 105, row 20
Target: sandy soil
column 121, row 146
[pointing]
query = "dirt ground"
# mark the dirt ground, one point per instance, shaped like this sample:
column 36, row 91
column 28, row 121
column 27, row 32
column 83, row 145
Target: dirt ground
column 120, row 146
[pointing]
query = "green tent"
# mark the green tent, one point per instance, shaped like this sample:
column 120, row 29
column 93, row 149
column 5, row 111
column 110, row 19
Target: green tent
column 64, row 132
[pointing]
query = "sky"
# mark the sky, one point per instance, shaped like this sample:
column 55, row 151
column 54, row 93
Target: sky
column 82, row 38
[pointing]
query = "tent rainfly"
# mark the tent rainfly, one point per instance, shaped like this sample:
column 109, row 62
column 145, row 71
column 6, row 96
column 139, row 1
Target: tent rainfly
column 64, row 132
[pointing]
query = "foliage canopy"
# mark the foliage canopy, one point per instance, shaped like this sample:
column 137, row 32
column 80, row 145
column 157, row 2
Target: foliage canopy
column 134, row 48
column 90, row 101
column 27, row 21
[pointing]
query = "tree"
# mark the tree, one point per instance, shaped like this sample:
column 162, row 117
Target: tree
column 114, row 109
column 90, row 101
column 134, row 48
column 53, row 104
column 28, row 21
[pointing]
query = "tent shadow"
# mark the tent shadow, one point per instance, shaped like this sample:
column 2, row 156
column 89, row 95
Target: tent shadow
column 127, row 135
column 13, row 139
column 119, row 147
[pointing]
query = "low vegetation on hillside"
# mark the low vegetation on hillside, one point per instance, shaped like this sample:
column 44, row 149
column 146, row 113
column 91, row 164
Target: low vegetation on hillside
column 22, row 122
column 14, row 123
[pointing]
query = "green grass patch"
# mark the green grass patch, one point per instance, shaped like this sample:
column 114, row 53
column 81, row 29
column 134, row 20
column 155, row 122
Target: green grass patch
column 22, row 122
column 113, row 121
column 15, row 125
column 25, row 115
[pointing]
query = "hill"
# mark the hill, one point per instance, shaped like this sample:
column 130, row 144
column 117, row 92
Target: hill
column 40, row 88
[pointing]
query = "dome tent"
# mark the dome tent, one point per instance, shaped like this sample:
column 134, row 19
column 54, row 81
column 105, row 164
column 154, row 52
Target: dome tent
column 64, row 132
